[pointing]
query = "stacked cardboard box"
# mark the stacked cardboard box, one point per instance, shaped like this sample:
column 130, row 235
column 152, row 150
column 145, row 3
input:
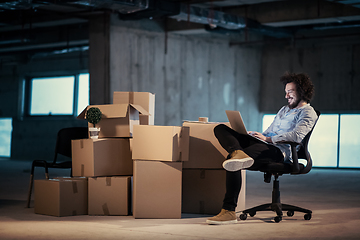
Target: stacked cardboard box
column 109, row 195
column 158, row 154
column 106, row 162
column 175, row 169
column 143, row 99
column 203, row 175
column 117, row 119
column 101, row 157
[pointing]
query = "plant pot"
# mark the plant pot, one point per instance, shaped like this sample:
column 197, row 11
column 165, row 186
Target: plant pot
column 94, row 133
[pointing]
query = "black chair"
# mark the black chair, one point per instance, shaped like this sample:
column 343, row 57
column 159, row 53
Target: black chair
column 278, row 169
column 63, row 147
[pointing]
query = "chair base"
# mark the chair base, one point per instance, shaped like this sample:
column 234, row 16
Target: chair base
column 276, row 205
column 278, row 208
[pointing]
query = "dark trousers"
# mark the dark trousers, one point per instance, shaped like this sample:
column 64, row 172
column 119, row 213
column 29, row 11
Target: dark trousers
column 261, row 152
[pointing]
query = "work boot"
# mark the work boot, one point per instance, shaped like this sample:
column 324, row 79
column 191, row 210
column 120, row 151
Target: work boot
column 224, row 217
column 238, row 160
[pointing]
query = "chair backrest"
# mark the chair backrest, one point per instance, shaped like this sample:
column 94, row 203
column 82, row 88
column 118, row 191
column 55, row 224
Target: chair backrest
column 303, row 152
column 64, row 137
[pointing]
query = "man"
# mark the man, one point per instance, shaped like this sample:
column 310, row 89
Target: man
column 291, row 123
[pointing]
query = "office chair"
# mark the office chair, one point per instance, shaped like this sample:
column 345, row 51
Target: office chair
column 277, row 169
column 63, row 147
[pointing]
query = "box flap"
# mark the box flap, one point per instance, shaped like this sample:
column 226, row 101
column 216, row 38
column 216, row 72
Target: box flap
column 108, row 110
column 140, row 109
column 114, row 110
column 82, row 114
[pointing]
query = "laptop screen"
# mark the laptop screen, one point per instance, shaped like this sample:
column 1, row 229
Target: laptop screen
column 236, row 121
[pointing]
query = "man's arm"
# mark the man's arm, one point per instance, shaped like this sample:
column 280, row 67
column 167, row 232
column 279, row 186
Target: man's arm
column 260, row 136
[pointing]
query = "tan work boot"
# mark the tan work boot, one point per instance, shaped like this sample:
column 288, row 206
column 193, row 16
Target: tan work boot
column 224, row 217
column 238, row 160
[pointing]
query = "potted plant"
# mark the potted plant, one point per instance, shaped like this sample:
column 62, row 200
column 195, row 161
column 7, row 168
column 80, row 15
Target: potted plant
column 93, row 116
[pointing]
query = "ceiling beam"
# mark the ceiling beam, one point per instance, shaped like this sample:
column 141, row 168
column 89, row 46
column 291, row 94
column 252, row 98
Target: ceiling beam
column 295, row 10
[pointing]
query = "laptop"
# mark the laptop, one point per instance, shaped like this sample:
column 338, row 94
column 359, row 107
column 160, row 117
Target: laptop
column 237, row 123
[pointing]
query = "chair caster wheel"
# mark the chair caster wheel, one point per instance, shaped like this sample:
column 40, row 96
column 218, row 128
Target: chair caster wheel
column 277, row 219
column 290, row 213
column 307, row 216
column 252, row 214
column 243, row 216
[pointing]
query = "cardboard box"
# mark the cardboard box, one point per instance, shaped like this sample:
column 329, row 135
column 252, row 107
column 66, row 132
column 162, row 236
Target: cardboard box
column 117, row 119
column 205, row 150
column 204, row 190
column 72, row 178
column 109, row 195
column 61, row 197
column 101, row 157
column 157, row 189
column 144, row 99
column 161, row 143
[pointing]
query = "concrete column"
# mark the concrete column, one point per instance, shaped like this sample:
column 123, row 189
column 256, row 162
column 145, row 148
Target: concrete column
column 99, row 59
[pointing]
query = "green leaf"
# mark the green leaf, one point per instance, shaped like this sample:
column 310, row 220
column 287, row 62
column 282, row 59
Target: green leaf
column 93, row 115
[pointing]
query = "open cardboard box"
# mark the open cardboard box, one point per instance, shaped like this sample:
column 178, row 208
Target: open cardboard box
column 144, row 99
column 160, row 143
column 117, row 119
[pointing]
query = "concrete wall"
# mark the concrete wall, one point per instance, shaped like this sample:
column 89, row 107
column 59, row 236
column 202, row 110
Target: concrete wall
column 191, row 76
column 9, row 91
column 333, row 64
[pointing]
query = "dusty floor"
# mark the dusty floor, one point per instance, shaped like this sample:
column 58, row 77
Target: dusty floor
column 332, row 195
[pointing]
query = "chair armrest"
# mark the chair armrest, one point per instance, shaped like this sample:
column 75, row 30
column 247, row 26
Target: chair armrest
column 295, row 166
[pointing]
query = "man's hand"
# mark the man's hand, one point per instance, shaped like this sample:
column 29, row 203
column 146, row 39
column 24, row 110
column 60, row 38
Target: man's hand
column 260, row 136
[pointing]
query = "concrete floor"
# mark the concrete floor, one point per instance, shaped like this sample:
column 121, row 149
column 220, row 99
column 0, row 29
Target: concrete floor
column 332, row 195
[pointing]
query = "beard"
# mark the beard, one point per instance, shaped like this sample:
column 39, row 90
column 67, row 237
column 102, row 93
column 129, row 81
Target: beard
column 294, row 104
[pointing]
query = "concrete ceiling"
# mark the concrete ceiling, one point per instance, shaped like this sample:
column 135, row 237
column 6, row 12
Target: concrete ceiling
column 30, row 24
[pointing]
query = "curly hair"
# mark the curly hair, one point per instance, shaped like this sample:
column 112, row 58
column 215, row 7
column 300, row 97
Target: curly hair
column 304, row 86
